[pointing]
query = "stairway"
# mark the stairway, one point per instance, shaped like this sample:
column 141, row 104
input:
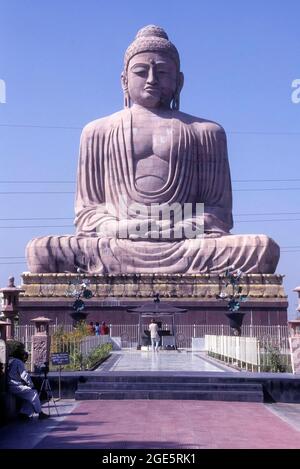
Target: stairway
column 217, row 388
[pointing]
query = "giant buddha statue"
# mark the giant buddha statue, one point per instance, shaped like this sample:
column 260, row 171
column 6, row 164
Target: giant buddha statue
column 150, row 154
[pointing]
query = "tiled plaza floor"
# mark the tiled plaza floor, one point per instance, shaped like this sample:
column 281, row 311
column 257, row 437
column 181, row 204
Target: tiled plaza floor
column 136, row 360
column 160, row 425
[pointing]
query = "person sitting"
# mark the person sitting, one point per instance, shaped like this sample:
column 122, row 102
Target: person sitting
column 104, row 330
column 20, row 384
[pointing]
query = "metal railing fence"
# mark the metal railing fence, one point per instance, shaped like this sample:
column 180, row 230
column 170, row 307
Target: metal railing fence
column 184, row 333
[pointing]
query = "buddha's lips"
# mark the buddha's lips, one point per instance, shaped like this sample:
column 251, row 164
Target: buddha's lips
column 150, row 88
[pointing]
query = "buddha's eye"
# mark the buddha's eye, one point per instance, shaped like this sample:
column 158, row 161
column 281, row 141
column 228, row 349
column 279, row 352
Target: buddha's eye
column 141, row 71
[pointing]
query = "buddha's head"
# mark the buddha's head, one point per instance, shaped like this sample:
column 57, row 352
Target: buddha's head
column 151, row 75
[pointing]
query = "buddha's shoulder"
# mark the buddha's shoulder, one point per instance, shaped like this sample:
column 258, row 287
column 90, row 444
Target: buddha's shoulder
column 99, row 126
column 201, row 125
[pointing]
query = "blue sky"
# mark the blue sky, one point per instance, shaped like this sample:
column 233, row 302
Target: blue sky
column 61, row 62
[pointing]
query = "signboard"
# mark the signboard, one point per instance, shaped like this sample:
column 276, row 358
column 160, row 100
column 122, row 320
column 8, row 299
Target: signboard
column 60, row 358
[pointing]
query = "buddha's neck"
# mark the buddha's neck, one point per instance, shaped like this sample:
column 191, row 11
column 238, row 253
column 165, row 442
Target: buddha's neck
column 146, row 110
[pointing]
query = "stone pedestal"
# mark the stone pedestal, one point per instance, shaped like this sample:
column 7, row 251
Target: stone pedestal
column 294, row 340
column 49, row 294
column 40, row 347
column 4, row 325
column 2, row 356
column 3, row 394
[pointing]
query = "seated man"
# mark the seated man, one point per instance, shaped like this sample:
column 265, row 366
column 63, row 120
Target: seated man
column 21, row 385
column 144, row 173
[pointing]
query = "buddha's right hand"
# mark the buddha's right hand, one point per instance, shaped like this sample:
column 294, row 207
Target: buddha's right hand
column 126, row 229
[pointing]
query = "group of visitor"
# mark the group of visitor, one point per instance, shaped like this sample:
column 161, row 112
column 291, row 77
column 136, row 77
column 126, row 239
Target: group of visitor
column 96, row 329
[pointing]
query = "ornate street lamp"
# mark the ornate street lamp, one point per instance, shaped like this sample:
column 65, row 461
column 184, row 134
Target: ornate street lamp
column 9, row 307
column 79, row 289
column 234, row 299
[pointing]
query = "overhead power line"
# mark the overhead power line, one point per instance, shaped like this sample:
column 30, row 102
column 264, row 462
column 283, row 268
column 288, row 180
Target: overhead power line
column 25, row 262
column 264, row 214
column 35, row 126
column 75, row 127
column 23, row 257
column 36, row 192
column 37, row 226
column 260, row 220
column 271, row 189
column 283, row 249
column 72, row 218
column 264, row 180
column 72, row 226
column 40, row 182
column 12, row 257
column 268, row 189
column 36, row 218
column 12, row 263
column 264, row 219
column 74, row 182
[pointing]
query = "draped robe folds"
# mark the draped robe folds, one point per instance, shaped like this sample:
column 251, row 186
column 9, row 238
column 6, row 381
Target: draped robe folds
column 198, row 172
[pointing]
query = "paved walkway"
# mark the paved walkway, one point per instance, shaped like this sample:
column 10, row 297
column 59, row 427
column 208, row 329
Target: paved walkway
column 166, row 360
column 160, row 425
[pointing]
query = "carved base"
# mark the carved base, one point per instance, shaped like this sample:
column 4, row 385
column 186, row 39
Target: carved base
column 40, row 351
column 50, row 295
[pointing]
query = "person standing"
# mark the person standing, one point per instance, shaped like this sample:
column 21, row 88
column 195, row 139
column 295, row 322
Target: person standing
column 91, row 328
column 97, row 328
column 21, row 385
column 153, row 328
column 104, row 330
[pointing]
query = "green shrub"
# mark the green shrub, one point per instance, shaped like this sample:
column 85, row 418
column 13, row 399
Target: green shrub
column 97, row 354
column 272, row 359
column 69, row 342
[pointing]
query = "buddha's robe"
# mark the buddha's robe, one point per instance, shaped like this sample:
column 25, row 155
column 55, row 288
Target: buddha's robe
column 198, row 172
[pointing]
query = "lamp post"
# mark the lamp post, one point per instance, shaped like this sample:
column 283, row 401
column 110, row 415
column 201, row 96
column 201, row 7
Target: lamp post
column 79, row 289
column 10, row 306
column 234, row 299
column 294, row 338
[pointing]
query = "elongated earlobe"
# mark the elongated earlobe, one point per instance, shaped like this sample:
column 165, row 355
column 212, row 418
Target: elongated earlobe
column 127, row 102
column 175, row 102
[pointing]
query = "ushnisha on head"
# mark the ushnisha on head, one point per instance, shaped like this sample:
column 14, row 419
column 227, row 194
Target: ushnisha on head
column 151, row 75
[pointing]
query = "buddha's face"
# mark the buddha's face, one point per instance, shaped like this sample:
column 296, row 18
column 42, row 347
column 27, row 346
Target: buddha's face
column 152, row 79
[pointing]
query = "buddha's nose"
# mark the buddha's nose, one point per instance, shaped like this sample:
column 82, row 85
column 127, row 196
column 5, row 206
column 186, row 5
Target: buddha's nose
column 151, row 79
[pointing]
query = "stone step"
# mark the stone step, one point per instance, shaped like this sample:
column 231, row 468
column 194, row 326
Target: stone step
column 101, row 378
column 230, row 395
column 193, row 386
